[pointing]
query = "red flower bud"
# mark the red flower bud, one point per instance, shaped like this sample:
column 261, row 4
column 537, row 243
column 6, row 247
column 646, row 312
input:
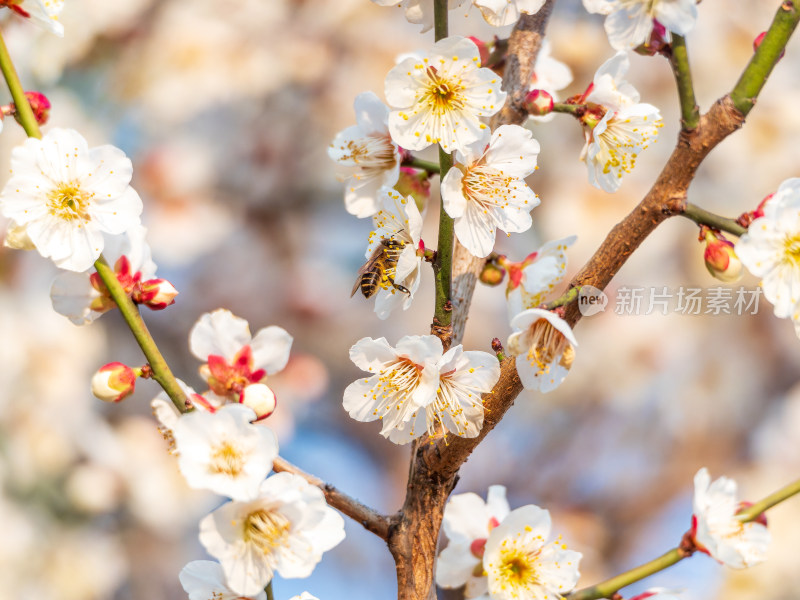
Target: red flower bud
column 114, row 382
column 156, row 294
column 721, row 259
column 538, row 103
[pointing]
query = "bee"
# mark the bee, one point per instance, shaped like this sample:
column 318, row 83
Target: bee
column 379, row 268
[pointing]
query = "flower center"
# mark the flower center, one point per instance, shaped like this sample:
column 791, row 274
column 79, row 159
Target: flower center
column 442, row 95
column 547, row 344
column 791, row 249
column 69, row 202
column 266, row 529
column 516, row 572
column 487, row 187
column 374, row 151
column 621, row 142
column 451, row 398
column 226, row 460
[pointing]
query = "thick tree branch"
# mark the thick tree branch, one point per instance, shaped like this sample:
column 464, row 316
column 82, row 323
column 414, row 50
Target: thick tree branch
column 370, row 519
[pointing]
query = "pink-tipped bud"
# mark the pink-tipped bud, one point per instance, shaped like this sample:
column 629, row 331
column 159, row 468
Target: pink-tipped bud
column 538, row 103
column 260, row 398
column 113, row 382
column 416, row 184
column 656, row 43
column 492, row 274
column 483, row 48
column 721, row 259
column 40, row 106
column 759, row 39
column 156, row 294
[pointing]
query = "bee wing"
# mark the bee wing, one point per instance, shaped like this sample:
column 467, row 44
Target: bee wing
column 367, row 267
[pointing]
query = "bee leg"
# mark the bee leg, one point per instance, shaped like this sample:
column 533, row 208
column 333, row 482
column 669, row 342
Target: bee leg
column 397, row 286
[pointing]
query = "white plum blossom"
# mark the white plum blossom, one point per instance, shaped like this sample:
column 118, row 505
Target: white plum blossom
column 458, row 405
column 618, row 126
column 544, row 346
column 224, row 452
column 285, row 529
column 532, row 280
column 440, row 96
column 488, row 190
column 520, row 564
column 66, row 196
column 550, row 75
column 43, row 12
column 771, row 250
column 404, row 381
column 74, row 295
column 368, row 150
column 416, row 388
column 630, row 22
column 234, row 358
column 498, row 13
column 467, row 522
column 168, row 415
column 398, row 219
column 717, row 530
column 205, row 580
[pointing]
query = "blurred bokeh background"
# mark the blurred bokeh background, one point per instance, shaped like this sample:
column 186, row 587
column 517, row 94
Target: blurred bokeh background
column 226, row 108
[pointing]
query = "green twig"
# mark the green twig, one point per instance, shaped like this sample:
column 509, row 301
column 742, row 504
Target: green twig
column 161, row 371
column 566, row 298
column 23, row 107
column 268, row 590
column 576, row 110
column 679, row 59
column 609, row 587
column 766, row 56
column 426, row 165
column 703, row 217
column 443, row 265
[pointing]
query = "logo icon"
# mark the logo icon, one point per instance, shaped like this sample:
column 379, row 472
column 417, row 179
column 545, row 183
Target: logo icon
column 591, row 300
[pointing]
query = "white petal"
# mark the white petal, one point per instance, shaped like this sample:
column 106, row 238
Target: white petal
column 513, row 151
column 220, row 333
column 271, row 348
column 452, row 194
column 371, row 113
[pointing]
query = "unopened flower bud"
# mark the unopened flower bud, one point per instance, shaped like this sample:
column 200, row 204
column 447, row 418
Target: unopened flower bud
column 260, row 399
column 483, row 48
column 156, row 294
column 656, row 43
column 492, row 274
column 416, row 184
column 39, row 103
column 721, row 259
column 538, row 103
column 478, row 547
column 759, row 39
column 113, row 382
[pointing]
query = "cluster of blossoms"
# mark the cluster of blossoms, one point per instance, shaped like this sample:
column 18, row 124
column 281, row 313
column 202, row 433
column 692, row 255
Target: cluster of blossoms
column 503, row 554
column 276, row 524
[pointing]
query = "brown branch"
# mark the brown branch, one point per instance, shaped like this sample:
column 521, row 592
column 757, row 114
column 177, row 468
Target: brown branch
column 666, row 198
column 370, row 519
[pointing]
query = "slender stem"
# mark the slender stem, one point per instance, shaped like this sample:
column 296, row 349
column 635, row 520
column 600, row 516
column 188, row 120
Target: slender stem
column 752, row 512
column 609, row 587
column 569, row 296
column 268, row 590
column 440, row 14
column 161, row 371
column 571, row 109
column 766, row 56
column 24, row 111
column 443, row 266
column 679, row 59
column 425, row 165
column 370, row 519
column 703, row 217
